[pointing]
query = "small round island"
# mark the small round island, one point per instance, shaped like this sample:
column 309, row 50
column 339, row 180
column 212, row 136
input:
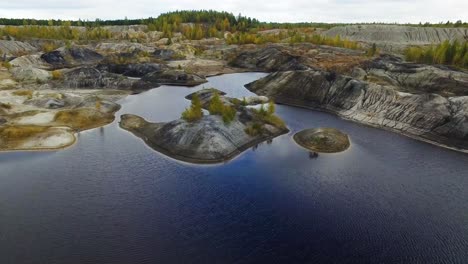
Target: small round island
column 323, row 140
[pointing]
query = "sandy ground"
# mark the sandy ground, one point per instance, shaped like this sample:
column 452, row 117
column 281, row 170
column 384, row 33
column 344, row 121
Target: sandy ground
column 39, row 119
column 17, row 111
column 55, row 138
column 204, row 66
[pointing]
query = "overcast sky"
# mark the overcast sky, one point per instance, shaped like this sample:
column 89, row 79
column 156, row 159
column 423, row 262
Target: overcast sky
column 401, row 11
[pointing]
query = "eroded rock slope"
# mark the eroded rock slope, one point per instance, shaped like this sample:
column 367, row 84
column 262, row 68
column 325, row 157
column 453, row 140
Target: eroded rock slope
column 427, row 116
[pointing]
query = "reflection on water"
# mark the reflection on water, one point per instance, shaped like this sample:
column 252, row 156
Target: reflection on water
column 112, row 199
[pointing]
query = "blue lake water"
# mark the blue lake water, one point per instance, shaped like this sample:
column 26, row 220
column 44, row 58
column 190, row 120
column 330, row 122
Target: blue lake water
column 112, row 199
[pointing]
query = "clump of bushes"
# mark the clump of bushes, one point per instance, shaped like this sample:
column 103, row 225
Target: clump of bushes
column 229, row 114
column 194, row 112
column 264, row 115
column 254, row 130
column 217, row 107
column 268, row 115
column 57, row 75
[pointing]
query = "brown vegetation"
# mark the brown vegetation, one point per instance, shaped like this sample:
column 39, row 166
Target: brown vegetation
column 57, row 75
column 26, row 93
column 82, row 119
column 5, row 106
column 20, row 132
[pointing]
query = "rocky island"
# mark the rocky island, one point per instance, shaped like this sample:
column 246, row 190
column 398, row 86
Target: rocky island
column 231, row 128
column 323, row 140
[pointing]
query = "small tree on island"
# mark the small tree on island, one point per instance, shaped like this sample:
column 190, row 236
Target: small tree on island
column 229, row 113
column 217, row 107
column 271, row 108
column 194, row 112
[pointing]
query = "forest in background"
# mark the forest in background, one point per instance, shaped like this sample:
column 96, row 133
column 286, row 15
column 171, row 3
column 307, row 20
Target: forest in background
column 196, row 25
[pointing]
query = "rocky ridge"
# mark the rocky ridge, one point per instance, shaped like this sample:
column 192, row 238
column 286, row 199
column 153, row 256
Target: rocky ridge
column 396, row 37
column 430, row 117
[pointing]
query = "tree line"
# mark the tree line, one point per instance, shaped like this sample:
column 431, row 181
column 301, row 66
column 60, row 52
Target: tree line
column 75, row 23
column 202, row 16
column 65, row 32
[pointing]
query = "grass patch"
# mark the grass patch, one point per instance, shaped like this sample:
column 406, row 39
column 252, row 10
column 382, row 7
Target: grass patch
column 274, row 120
column 20, row 132
column 6, row 64
column 254, row 130
column 82, row 119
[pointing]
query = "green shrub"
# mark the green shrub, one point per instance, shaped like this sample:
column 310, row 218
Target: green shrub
column 194, row 112
column 274, row 120
column 228, row 114
column 262, row 112
column 216, row 105
column 271, row 108
column 268, row 116
column 448, row 53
